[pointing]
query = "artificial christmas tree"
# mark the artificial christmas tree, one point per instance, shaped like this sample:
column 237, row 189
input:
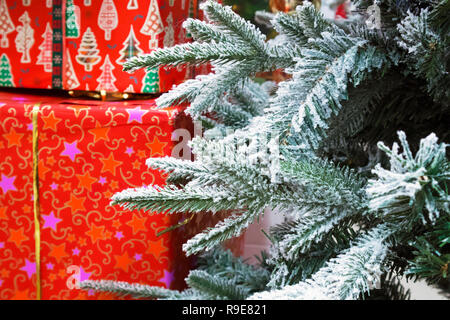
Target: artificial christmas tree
column 46, row 54
column 358, row 214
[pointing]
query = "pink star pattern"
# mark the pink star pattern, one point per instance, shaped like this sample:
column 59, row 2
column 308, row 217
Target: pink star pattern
column 84, row 275
column 75, row 177
column 168, row 278
column 119, row 235
column 129, row 151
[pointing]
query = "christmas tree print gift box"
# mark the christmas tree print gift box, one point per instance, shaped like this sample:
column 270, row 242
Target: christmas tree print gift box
column 83, row 153
column 82, row 44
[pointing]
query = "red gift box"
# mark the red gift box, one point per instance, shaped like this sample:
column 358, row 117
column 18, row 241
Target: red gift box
column 82, row 44
column 85, row 151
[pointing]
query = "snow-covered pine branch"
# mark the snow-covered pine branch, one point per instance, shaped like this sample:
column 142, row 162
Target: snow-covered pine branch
column 414, row 190
column 352, row 273
column 351, row 87
column 217, row 287
column 302, row 25
column 427, row 52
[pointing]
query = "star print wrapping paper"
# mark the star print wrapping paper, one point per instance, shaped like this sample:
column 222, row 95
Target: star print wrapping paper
column 87, row 151
column 82, row 44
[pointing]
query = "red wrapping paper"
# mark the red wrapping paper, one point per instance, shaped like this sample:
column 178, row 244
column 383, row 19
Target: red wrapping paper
column 96, row 38
column 87, row 151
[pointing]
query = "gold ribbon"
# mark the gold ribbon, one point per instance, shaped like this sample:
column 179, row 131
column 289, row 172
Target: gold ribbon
column 37, row 227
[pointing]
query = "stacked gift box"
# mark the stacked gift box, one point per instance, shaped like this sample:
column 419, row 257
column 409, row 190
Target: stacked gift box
column 62, row 158
column 86, row 151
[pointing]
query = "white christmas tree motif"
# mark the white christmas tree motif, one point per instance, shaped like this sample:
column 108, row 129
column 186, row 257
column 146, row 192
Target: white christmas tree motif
column 106, row 79
column 6, row 77
column 130, row 89
column 49, row 3
column 25, row 38
column 169, row 33
column 6, row 24
column 26, row 2
column 88, row 52
column 45, row 55
column 130, row 48
column 108, row 18
column 72, row 20
column 153, row 24
column 132, row 5
column 71, row 79
column 87, row 3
